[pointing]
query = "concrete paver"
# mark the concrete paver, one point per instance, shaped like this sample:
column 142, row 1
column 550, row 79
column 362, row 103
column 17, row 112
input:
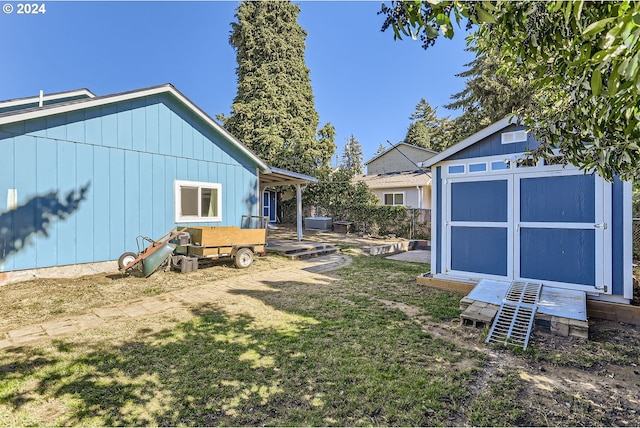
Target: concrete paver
column 420, row 256
column 204, row 293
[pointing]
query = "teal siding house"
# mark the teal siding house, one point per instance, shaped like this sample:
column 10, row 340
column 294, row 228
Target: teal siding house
column 499, row 216
column 82, row 175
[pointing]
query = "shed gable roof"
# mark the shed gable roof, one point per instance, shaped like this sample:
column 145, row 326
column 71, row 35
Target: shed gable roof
column 471, row 140
column 84, row 103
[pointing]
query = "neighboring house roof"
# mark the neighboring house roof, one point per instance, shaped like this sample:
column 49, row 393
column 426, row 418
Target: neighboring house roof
column 396, row 147
column 84, row 103
column 394, row 180
column 469, row 141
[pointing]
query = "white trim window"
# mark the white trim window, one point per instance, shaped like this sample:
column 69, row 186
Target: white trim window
column 196, row 201
column 394, row 199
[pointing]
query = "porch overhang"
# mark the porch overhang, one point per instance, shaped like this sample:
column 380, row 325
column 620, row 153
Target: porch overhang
column 274, row 177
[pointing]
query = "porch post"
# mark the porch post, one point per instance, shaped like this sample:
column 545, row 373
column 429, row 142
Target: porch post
column 299, row 210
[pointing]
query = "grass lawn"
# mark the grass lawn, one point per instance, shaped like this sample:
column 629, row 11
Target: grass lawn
column 364, row 345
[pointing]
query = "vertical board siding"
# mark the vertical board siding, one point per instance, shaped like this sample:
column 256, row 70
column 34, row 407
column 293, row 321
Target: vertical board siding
column 25, row 220
column 617, row 237
column 46, row 209
column 438, row 220
column 127, row 156
column 85, row 215
column 146, row 214
column 115, row 202
column 125, row 126
column 492, row 146
column 67, row 179
column 7, row 177
column 100, row 200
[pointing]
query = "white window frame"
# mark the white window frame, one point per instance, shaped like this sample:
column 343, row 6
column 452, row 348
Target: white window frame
column 177, row 197
column 514, row 137
column 404, row 198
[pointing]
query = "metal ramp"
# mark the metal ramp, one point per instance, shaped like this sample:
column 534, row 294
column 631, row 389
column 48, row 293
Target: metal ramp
column 514, row 321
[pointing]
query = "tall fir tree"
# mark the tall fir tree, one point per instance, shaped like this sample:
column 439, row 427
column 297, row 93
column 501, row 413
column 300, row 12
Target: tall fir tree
column 426, row 129
column 273, row 112
column 488, row 95
column 381, row 149
column 352, row 157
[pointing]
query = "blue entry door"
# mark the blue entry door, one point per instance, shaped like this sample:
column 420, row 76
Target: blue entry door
column 269, row 205
column 478, row 227
column 561, row 227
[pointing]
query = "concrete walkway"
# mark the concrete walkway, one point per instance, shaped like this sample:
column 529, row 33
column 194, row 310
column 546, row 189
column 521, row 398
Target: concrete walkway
column 418, row 256
column 190, row 296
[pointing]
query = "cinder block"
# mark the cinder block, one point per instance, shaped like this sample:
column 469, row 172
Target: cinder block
column 188, row 264
column 560, row 326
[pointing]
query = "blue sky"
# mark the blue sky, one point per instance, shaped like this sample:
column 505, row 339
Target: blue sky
column 364, row 82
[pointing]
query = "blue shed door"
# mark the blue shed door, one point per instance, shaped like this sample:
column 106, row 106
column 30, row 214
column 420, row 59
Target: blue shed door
column 538, row 226
column 479, row 226
column 561, row 230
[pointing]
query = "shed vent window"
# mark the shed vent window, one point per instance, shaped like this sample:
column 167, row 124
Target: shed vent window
column 456, row 169
column 514, row 137
column 477, row 167
column 393, row 198
column 197, row 201
column 499, row 165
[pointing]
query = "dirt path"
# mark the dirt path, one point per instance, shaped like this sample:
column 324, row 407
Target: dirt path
column 205, row 292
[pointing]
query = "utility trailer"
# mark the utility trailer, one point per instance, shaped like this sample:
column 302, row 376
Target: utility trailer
column 215, row 242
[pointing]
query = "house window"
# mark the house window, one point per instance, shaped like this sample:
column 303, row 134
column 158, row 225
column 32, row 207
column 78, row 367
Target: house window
column 197, row 201
column 393, row 198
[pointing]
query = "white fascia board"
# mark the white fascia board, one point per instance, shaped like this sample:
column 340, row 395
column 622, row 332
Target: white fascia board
column 46, row 97
column 469, row 141
column 126, row 96
column 295, row 175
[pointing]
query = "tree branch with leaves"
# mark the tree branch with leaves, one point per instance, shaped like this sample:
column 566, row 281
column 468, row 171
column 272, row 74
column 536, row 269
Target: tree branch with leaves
column 581, row 58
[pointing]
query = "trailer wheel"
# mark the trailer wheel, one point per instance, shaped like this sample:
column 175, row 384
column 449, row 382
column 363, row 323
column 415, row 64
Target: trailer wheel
column 125, row 259
column 243, row 258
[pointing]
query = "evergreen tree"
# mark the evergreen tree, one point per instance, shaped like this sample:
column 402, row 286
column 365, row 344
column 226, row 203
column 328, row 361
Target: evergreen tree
column 488, row 96
column 381, row 149
column 426, row 129
column 273, row 112
column 352, row 157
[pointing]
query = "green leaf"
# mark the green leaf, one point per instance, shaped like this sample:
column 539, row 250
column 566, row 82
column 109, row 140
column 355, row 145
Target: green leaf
column 635, row 18
column 578, row 10
column 567, row 11
column 597, row 27
column 484, row 16
column 432, row 33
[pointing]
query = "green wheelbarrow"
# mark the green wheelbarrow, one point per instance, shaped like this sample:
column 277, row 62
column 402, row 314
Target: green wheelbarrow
column 151, row 258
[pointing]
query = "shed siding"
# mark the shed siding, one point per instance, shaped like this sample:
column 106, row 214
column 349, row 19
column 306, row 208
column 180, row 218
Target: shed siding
column 492, row 146
column 127, row 157
column 438, row 219
column 617, row 238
